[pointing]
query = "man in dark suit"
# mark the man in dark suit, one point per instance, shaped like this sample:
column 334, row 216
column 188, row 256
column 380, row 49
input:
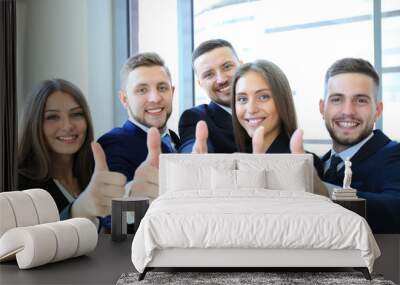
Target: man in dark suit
column 214, row 62
column 146, row 93
column 350, row 110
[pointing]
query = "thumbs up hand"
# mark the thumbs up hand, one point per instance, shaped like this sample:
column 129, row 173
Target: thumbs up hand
column 296, row 147
column 200, row 145
column 153, row 147
column 296, row 142
column 105, row 185
column 258, row 141
column 145, row 181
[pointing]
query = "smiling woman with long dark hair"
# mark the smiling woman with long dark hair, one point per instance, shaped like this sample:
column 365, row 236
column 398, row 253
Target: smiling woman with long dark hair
column 261, row 96
column 54, row 144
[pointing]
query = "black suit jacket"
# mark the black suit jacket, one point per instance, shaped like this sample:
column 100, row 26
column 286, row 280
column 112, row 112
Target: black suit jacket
column 220, row 130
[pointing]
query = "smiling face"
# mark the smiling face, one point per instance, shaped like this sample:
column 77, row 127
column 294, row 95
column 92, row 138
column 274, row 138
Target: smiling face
column 214, row 70
column 64, row 124
column 148, row 96
column 255, row 106
column 350, row 110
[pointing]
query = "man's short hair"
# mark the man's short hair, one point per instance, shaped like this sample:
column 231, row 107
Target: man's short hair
column 141, row 59
column 352, row 65
column 211, row 45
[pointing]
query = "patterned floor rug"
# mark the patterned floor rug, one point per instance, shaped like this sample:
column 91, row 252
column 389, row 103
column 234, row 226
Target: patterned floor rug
column 270, row 278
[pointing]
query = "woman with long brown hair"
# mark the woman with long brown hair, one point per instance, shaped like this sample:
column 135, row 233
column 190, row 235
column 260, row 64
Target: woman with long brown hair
column 54, row 152
column 261, row 97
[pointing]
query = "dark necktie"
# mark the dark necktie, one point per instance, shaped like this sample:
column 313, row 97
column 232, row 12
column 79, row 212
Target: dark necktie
column 331, row 175
column 166, row 140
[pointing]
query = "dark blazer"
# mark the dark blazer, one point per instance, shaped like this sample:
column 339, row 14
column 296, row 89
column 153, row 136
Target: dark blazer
column 376, row 176
column 62, row 203
column 126, row 148
column 220, row 130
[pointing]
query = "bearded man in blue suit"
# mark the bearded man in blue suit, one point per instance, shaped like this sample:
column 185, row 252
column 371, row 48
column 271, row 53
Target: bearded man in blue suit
column 214, row 62
column 350, row 109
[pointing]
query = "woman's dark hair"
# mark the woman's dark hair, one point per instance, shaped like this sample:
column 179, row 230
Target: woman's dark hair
column 34, row 159
column 281, row 94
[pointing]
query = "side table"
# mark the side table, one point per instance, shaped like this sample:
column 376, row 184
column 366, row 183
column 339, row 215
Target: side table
column 120, row 206
column 357, row 205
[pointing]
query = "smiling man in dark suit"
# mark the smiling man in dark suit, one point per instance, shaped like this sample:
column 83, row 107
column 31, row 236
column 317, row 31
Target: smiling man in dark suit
column 214, row 62
column 146, row 93
column 350, row 109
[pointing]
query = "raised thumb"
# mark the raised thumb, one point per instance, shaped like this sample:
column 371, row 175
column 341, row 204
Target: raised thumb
column 200, row 145
column 296, row 142
column 153, row 147
column 99, row 157
column 258, row 140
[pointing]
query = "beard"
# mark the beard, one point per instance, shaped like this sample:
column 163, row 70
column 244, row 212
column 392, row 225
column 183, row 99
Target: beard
column 143, row 121
column 348, row 141
column 222, row 100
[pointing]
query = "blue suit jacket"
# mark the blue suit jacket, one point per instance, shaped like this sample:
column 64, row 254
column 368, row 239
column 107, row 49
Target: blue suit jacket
column 126, row 149
column 220, row 130
column 376, row 176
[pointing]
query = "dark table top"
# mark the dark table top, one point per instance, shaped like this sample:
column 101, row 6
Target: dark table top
column 104, row 265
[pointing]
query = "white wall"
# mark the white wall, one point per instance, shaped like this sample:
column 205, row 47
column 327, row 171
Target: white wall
column 158, row 32
column 100, row 64
column 54, row 41
column 70, row 39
